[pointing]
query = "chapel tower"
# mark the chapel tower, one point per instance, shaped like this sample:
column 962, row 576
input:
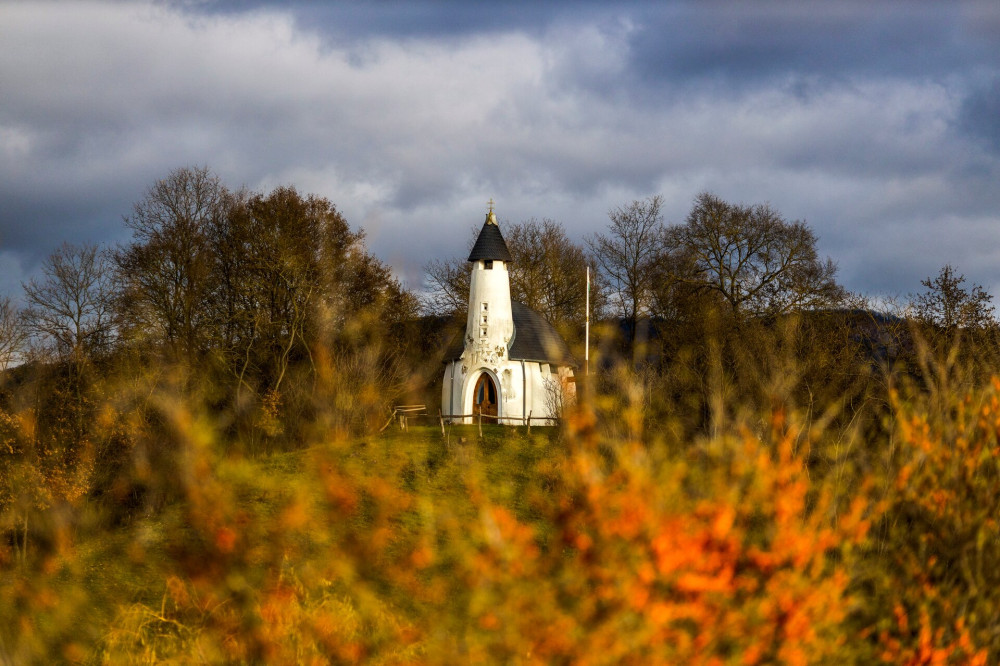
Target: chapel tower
column 489, row 328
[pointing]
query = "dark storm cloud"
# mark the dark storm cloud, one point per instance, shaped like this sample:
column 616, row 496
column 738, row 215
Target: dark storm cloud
column 31, row 221
column 742, row 44
column 408, row 19
column 980, row 115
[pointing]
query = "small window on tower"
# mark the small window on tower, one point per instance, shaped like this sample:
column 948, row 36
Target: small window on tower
column 482, row 320
column 485, row 307
column 482, row 332
column 488, row 264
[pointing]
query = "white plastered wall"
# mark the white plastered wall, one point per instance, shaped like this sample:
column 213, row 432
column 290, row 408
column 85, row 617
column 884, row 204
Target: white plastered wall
column 520, row 395
column 490, row 323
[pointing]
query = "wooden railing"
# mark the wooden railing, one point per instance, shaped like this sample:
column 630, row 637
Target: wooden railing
column 512, row 420
column 403, row 414
column 479, row 416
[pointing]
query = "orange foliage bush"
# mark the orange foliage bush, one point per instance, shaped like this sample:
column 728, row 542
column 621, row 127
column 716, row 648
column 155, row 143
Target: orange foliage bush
column 734, row 557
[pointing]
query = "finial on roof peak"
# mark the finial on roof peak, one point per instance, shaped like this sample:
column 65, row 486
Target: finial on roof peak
column 491, row 218
column 490, row 243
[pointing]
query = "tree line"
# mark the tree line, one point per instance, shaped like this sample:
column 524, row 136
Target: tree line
column 245, row 278
column 246, row 286
column 248, row 300
column 737, row 259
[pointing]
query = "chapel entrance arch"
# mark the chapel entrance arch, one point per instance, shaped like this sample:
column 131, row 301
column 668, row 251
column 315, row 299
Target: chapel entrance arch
column 484, row 397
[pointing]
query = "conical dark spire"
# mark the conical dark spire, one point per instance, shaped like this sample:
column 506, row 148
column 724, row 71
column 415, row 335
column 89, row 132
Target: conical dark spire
column 490, row 244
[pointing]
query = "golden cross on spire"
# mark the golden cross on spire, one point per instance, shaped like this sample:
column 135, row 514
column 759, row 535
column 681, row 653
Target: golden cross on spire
column 491, row 203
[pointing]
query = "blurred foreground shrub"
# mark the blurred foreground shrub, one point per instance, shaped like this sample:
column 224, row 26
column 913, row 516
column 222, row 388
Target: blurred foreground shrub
column 562, row 547
column 729, row 557
column 933, row 576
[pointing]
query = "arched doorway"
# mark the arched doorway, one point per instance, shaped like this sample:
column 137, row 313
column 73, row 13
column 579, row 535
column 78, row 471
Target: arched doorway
column 484, row 398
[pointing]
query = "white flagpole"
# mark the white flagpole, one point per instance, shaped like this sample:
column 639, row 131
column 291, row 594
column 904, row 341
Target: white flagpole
column 586, row 352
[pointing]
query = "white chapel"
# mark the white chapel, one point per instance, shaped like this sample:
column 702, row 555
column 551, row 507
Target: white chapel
column 512, row 364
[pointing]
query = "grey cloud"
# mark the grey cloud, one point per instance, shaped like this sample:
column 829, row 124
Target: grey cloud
column 411, row 122
column 408, row 19
column 980, row 115
column 741, row 45
column 911, row 251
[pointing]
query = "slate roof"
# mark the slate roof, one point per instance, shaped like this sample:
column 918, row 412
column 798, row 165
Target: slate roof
column 490, row 244
column 535, row 339
column 455, row 347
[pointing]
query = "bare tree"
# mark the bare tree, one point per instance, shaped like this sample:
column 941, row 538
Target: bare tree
column 12, row 333
column 753, row 258
column 71, row 306
column 627, row 254
column 70, row 312
column 166, row 272
column 549, row 272
column 674, row 296
column 448, row 286
column 447, row 283
column 948, row 305
column 557, row 398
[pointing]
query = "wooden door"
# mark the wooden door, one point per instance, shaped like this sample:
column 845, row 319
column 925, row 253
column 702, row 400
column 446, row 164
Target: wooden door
column 484, row 400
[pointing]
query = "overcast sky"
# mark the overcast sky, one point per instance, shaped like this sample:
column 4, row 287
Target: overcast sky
column 876, row 123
